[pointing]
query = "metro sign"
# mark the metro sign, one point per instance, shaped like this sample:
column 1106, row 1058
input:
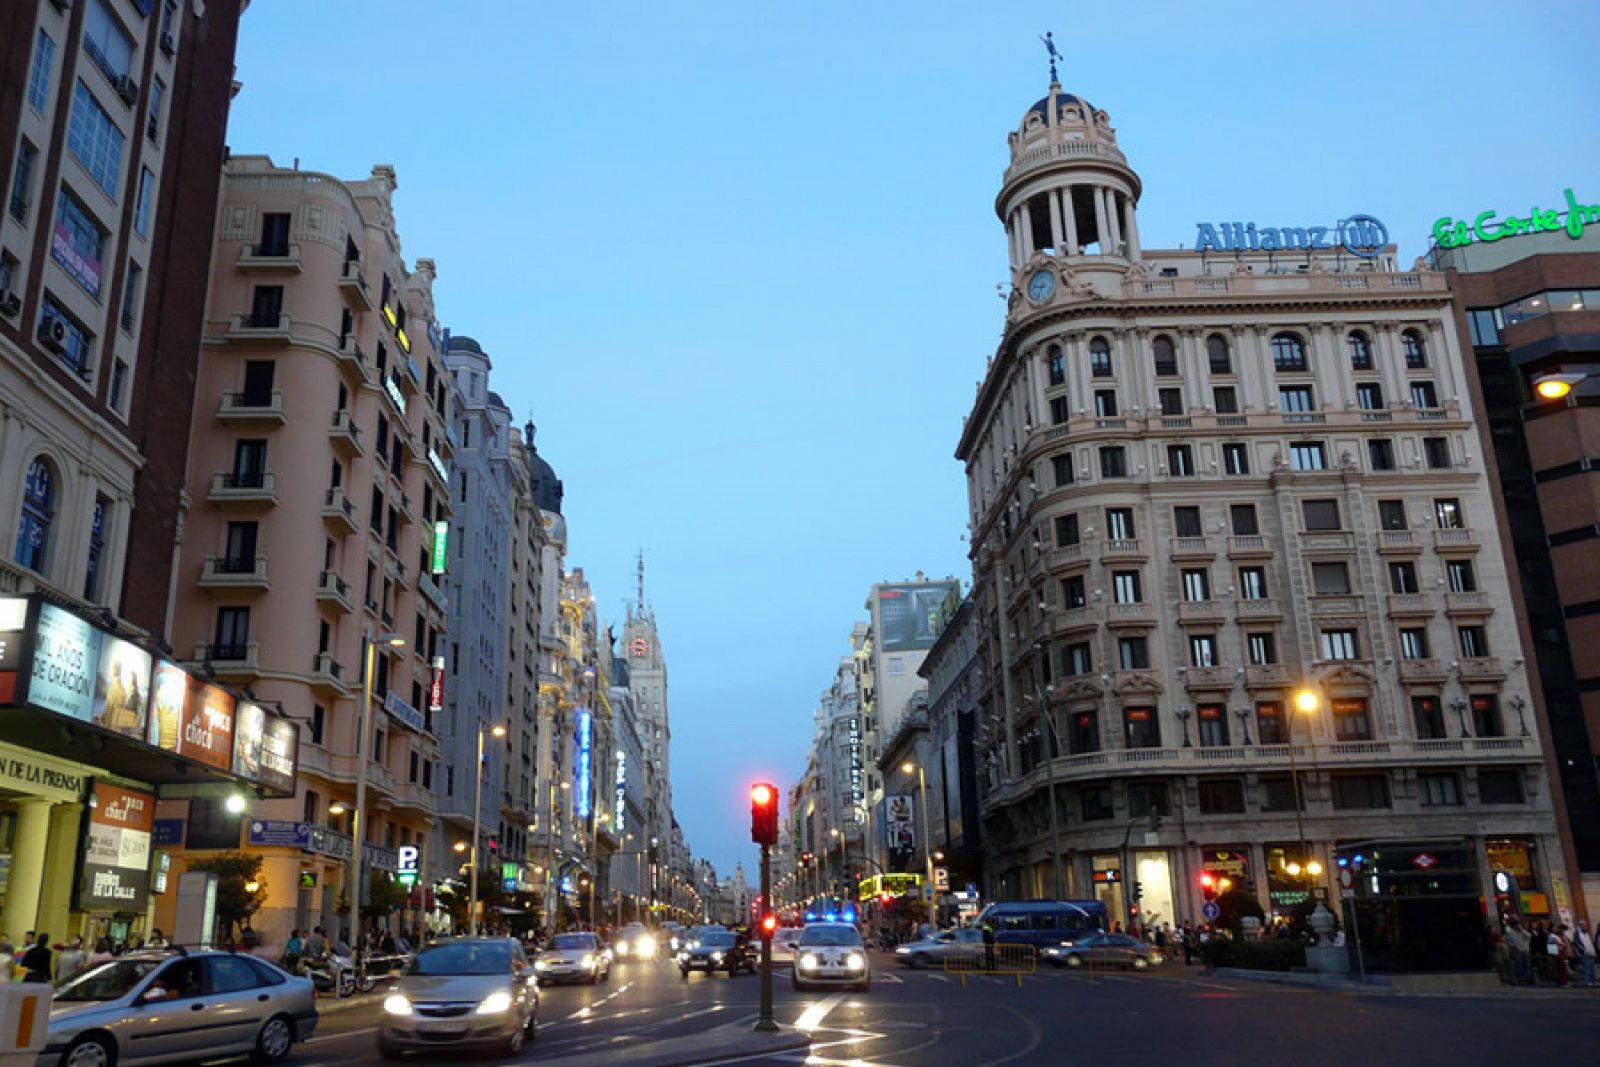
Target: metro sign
column 1423, row 861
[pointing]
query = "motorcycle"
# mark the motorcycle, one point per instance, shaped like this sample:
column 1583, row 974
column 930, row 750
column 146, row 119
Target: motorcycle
column 330, row 974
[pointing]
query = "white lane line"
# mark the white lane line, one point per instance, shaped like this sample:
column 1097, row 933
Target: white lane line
column 938, row 978
column 345, row 1033
column 812, row 1017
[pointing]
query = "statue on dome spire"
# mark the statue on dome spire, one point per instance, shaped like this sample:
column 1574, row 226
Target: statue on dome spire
column 1050, row 47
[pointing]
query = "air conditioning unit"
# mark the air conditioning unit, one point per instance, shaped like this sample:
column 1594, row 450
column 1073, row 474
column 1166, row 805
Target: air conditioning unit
column 10, row 304
column 168, row 45
column 126, row 88
column 53, row 334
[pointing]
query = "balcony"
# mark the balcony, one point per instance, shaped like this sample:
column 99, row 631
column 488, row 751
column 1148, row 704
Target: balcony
column 243, row 489
column 407, row 512
column 1323, row 607
column 1398, row 542
column 1209, row 678
column 259, row 329
column 1259, row 608
column 1481, row 669
column 235, row 572
column 327, row 675
column 1320, row 541
column 1274, row 675
column 351, row 358
column 1131, row 615
column 1410, row 606
column 1071, row 620
column 1200, row 611
column 339, row 513
column 1422, row 670
column 1467, row 604
column 332, row 589
column 1122, row 548
column 270, row 259
column 353, row 284
column 346, row 435
column 233, row 662
column 252, row 407
column 1455, row 540
column 1193, row 548
column 1249, row 546
column 1067, row 557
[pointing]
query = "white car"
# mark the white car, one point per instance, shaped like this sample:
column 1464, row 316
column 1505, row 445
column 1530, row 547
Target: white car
column 831, row 954
column 635, row 941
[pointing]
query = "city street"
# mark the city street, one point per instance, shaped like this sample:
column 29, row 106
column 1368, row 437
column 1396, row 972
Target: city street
column 1056, row 1017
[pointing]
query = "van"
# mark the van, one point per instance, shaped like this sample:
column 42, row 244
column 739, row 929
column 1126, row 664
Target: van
column 1043, row 922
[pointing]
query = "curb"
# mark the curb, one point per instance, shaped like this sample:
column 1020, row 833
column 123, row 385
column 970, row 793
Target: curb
column 1307, row 981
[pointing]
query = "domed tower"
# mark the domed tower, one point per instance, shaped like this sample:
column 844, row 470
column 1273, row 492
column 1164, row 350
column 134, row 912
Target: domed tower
column 1069, row 192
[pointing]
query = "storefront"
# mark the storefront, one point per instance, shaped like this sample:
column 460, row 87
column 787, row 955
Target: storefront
column 1420, row 904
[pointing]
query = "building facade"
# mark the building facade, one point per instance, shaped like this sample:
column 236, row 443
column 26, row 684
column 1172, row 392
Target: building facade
column 954, row 674
column 1208, row 487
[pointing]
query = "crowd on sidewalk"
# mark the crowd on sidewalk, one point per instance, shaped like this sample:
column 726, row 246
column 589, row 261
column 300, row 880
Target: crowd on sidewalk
column 1544, row 953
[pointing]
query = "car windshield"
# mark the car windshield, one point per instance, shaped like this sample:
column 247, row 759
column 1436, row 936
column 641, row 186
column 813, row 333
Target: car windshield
column 830, row 935
column 108, row 981
column 578, row 941
column 717, row 939
column 632, row 931
column 466, row 957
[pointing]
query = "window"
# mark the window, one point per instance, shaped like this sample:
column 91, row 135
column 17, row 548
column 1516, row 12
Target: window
column 1439, row 790
column 1437, row 451
column 1099, row 358
column 1499, row 786
column 1133, row 654
column 1145, row 797
column 152, row 124
column 1077, row 659
column 1269, row 723
column 1186, row 521
column 1066, row 530
column 241, row 550
column 1296, row 399
column 1221, row 796
column 1171, row 401
column 97, row 544
column 1095, row 803
column 1217, row 355
column 1486, row 721
column 1307, row 456
column 1380, row 454
column 1165, row 356
column 1339, row 644
column 1180, row 461
column 44, row 54
column 1263, row 649
column 1403, row 578
column 95, row 140
column 1225, row 398
column 22, row 180
column 75, row 340
column 319, row 722
column 1428, row 718
column 38, row 514
column 274, row 234
column 1330, row 579
column 1125, row 587
column 106, row 41
column 1060, row 410
column 1252, row 583
column 233, row 634
column 1212, row 720
column 1083, row 733
column 1203, row 650
column 1119, row 524
column 1236, row 458
column 230, row 974
column 1144, row 731
column 1415, row 352
column 1105, row 403
column 1392, row 515
column 1360, row 351
column 78, row 243
column 1057, row 364
column 1461, row 576
column 132, row 290
column 1061, row 468
column 1351, row 721
column 1073, row 592
column 1280, row 793
column 1113, row 462
column 1243, row 519
column 1447, row 513
column 1474, row 641
column 1369, row 396
column 1353, row 792
column 1423, row 395
column 1288, row 352
column 1484, row 325
column 1196, row 585
column 266, row 306
column 1321, row 514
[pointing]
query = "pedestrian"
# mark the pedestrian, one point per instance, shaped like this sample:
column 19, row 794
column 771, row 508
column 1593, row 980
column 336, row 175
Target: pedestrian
column 1517, row 941
column 157, row 938
column 1557, row 950
column 1500, row 951
column 988, row 945
column 36, row 961
column 317, row 944
column 71, row 959
column 1583, row 950
column 1188, row 936
column 293, row 949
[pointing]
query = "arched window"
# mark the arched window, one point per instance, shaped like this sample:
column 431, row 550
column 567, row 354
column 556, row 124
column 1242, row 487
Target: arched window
column 38, row 512
column 1166, row 357
column 1360, row 351
column 1416, row 353
column 1058, row 365
column 97, row 544
column 1100, row 358
column 1288, row 352
column 1217, row 352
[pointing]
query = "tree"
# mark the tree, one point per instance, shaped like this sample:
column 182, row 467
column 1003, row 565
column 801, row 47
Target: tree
column 384, row 895
column 240, row 890
column 1236, row 904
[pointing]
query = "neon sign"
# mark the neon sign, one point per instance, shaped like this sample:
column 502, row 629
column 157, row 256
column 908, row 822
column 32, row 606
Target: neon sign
column 585, row 738
column 441, row 539
column 1453, row 233
column 1360, row 235
column 620, row 804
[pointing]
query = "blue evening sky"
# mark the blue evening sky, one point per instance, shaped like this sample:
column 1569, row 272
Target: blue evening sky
column 738, row 260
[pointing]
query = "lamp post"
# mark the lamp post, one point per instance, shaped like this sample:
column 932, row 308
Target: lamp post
column 359, row 813
column 1306, row 702
column 496, row 730
column 927, row 839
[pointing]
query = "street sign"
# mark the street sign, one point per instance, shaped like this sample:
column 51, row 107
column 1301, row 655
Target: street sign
column 1422, row 861
column 972, row 889
column 1347, row 880
column 1211, row 910
column 941, row 879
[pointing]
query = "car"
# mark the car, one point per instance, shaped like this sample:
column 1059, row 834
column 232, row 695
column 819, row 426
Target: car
column 831, row 954
column 149, row 1007
column 1101, row 949
column 576, row 957
column 636, row 941
column 784, row 942
column 673, row 932
column 468, row 992
column 932, row 951
column 713, row 950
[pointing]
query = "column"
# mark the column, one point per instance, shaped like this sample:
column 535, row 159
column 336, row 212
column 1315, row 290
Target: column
column 1027, row 231
column 1102, row 228
column 1055, row 222
column 1131, row 229
column 60, row 863
column 1111, row 217
column 1444, row 361
column 1070, row 218
column 1015, row 233
column 1386, row 351
column 27, row 863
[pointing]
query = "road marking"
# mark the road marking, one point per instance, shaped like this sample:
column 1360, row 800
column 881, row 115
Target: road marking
column 893, row 979
column 346, row 1033
column 938, row 978
column 812, row 1017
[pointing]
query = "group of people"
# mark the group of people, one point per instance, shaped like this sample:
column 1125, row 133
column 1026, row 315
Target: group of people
column 1552, row 953
column 37, row 960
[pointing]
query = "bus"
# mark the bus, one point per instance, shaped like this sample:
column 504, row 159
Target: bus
column 1043, row 922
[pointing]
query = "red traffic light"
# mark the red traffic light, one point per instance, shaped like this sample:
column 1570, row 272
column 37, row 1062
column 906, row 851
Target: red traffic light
column 1208, row 884
column 764, row 814
column 885, row 898
column 761, row 794
column 769, row 924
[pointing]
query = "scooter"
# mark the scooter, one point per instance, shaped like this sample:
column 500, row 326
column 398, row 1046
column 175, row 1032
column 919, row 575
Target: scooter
column 330, row 974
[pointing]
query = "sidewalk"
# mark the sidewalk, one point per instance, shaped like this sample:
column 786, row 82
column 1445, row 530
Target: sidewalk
column 1448, row 983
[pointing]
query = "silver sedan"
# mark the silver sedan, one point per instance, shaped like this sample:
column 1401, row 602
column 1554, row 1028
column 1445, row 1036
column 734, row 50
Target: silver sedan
column 161, row 1007
column 472, row 992
column 932, row 951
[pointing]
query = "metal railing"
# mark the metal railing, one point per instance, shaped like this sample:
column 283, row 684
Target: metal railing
column 998, row 959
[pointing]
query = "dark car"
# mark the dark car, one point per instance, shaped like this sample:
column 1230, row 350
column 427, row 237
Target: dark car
column 716, row 950
column 1102, row 950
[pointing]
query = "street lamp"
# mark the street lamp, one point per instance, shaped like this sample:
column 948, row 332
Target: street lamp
column 358, row 814
column 496, row 730
column 927, row 839
column 1306, row 702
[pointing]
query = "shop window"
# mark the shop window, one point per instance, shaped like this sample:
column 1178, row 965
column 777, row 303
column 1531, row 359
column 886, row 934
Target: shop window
column 1221, row 796
column 1356, row 792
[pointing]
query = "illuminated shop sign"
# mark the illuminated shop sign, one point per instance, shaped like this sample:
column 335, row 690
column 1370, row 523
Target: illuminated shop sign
column 1360, row 235
column 265, row 747
column 620, row 803
column 1488, row 226
column 394, row 392
column 436, row 689
column 441, row 540
column 438, row 465
column 115, row 868
column 585, row 737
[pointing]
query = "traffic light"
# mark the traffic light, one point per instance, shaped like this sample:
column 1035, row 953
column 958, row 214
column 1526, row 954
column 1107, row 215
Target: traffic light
column 769, row 925
column 494, row 844
column 806, row 859
column 1208, row 885
column 1138, row 889
column 764, row 814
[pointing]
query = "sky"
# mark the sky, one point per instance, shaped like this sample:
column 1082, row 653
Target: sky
column 738, row 261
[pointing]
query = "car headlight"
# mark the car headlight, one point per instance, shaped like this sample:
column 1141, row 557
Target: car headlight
column 587, row 961
column 716, row 957
column 683, row 957
column 495, row 1003
column 395, row 1004
column 902, row 951
column 622, row 948
column 645, row 947
column 808, row 961
column 541, row 965
column 1050, row 951
column 855, row 961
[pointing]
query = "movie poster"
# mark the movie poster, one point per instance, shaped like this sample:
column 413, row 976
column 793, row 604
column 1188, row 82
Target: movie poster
column 122, row 688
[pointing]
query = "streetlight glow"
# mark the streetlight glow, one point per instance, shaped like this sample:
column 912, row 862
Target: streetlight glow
column 1306, row 701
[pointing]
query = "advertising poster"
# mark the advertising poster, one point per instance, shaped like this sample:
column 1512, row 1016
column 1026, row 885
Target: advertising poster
column 116, row 850
column 208, row 727
column 280, row 746
column 13, row 621
column 249, row 731
column 122, row 688
column 901, row 839
column 66, row 655
column 169, row 691
column 908, row 615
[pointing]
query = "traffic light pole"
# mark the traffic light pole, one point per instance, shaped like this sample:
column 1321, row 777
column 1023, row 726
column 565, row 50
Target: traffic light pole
column 765, row 1022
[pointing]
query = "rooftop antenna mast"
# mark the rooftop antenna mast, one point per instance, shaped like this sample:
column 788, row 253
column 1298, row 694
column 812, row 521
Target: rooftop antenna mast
column 1050, row 47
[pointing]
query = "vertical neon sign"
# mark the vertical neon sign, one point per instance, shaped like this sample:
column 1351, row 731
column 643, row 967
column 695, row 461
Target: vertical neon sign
column 585, row 736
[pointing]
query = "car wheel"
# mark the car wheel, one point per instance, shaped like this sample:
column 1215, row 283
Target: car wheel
column 919, row 960
column 1074, row 960
column 93, row 1050
column 388, row 1051
column 347, row 985
column 1140, row 963
column 274, row 1041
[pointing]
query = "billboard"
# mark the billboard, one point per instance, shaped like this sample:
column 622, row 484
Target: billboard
column 114, row 872
column 66, row 655
column 13, row 627
column 264, row 747
column 900, row 837
column 908, row 615
column 191, row 718
column 122, row 687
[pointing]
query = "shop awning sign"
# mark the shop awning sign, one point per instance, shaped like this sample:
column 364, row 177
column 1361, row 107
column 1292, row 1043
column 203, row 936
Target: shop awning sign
column 114, row 872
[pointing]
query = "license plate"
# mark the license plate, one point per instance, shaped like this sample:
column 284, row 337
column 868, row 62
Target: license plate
column 440, row 1026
